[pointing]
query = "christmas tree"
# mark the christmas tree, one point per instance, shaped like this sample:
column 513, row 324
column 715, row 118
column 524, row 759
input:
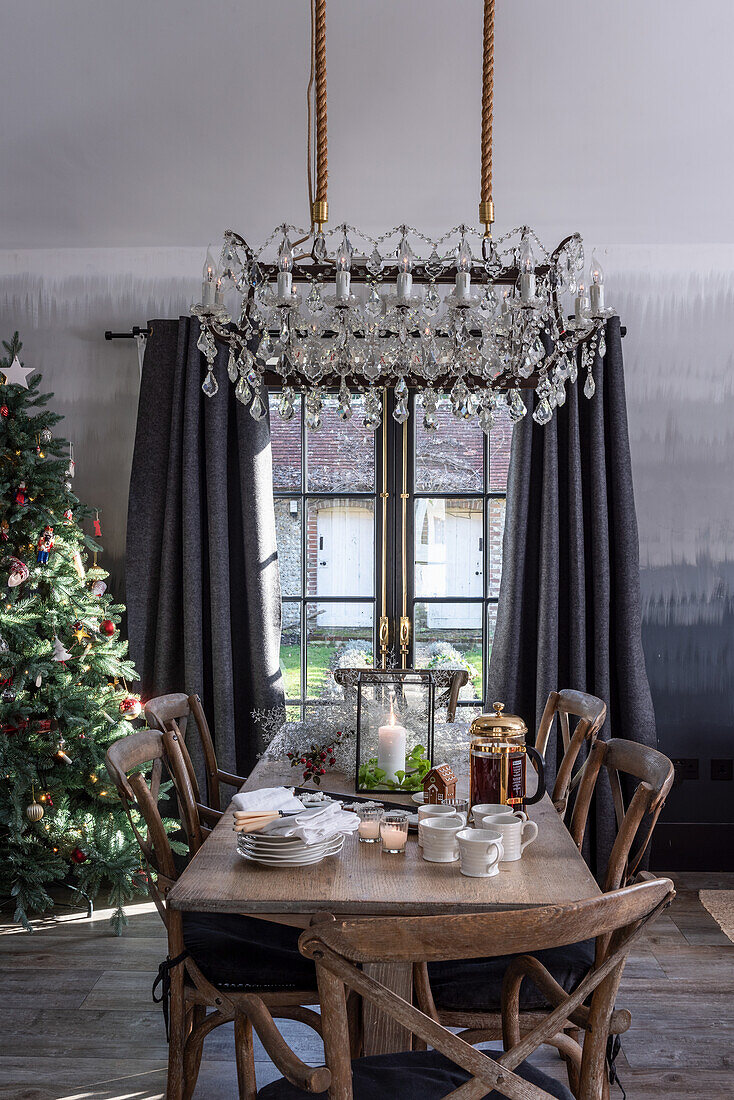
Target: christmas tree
column 64, row 671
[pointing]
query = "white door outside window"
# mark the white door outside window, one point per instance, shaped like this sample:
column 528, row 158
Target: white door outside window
column 345, row 564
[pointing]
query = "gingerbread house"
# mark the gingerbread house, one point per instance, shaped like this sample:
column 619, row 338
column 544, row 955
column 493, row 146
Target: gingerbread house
column 439, row 784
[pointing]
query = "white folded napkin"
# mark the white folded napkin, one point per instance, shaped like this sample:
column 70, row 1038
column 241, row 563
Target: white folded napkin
column 268, row 798
column 314, row 824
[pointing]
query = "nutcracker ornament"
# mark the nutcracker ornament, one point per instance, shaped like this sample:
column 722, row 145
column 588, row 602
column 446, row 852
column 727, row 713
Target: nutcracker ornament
column 97, row 528
column 46, row 543
column 21, row 495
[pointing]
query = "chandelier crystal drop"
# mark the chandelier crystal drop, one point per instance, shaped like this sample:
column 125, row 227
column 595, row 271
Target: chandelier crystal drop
column 467, row 317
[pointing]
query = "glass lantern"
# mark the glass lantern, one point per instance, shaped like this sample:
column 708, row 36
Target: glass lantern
column 395, row 720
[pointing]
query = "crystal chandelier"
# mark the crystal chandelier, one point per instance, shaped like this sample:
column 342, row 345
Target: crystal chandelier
column 470, row 316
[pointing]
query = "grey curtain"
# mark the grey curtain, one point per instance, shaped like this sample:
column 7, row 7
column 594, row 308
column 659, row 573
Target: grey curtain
column 569, row 605
column 203, row 590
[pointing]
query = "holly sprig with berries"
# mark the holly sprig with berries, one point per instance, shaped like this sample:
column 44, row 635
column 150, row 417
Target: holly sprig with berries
column 316, row 759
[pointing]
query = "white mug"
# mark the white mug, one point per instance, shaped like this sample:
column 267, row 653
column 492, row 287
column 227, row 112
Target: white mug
column 516, row 834
column 438, row 809
column 439, row 838
column 480, row 851
column 491, row 809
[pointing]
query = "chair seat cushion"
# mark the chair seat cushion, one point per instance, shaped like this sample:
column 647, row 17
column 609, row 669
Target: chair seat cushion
column 244, row 953
column 475, row 985
column 412, row 1075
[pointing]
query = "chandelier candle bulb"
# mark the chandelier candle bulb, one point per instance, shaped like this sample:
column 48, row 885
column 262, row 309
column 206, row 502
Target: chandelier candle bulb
column 285, row 269
column 391, row 740
column 581, row 303
column 596, row 290
column 462, row 285
column 208, row 287
column 285, row 284
column 527, row 286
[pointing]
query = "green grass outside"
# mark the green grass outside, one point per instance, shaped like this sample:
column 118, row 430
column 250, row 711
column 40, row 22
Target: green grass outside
column 320, row 656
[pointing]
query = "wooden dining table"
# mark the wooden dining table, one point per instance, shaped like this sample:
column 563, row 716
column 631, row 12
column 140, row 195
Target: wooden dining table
column 362, row 881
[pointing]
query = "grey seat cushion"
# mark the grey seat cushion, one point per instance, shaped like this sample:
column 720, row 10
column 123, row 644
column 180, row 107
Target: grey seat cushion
column 412, row 1075
column 244, row 953
column 475, row 985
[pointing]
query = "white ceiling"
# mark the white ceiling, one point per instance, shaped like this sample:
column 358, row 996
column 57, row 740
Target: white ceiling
column 163, row 122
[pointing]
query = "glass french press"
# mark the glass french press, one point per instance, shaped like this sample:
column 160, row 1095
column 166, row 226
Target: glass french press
column 498, row 761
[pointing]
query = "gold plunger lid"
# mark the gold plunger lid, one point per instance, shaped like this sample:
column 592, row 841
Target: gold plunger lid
column 504, row 725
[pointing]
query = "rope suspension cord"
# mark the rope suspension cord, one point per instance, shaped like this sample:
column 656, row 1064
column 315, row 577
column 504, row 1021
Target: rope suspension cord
column 320, row 205
column 486, row 205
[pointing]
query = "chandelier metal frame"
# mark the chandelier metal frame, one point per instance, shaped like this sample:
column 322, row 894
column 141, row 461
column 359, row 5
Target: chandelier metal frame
column 500, row 330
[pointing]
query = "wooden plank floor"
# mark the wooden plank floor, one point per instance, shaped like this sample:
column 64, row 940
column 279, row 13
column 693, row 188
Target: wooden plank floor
column 78, row 1022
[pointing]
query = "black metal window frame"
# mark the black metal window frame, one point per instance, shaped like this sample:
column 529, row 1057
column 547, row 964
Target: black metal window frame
column 394, row 571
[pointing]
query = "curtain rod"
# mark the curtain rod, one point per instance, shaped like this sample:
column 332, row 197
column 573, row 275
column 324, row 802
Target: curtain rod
column 135, row 331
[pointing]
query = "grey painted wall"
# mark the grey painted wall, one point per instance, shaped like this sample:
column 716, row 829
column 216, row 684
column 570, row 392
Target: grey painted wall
column 134, row 133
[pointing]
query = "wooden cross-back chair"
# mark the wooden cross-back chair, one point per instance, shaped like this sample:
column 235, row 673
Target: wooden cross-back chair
column 591, row 713
column 215, row 961
column 468, row 996
column 626, row 763
column 164, row 710
column 453, row 1068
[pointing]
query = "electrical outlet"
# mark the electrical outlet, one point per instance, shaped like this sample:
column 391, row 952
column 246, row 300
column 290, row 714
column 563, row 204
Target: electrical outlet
column 722, row 769
column 685, row 768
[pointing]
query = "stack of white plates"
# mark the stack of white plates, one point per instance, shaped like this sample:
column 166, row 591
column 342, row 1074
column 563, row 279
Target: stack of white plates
column 286, row 851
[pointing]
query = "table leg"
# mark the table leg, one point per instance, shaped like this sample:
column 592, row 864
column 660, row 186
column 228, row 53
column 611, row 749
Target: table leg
column 383, row 1034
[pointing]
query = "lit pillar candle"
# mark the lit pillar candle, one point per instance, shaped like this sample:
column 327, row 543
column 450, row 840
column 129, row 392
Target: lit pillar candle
column 209, row 277
column 404, row 283
column 596, row 289
column 391, row 748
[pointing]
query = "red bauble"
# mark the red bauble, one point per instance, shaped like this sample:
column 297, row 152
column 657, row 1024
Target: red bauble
column 78, row 856
column 107, row 627
column 4, row 411
column 130, row 707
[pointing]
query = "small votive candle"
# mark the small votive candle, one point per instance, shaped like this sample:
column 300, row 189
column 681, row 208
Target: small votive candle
column 394, row 833
column 369, row 824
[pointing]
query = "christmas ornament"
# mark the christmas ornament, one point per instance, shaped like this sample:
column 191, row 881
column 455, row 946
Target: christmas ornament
column 46, row 798
column 79, row 632
column 34, row 811
column 15, row 374
column 46, row 435
column 130, row 707
column 4, row 529
column 68, row 515
column 18, row 572
column 21, row 494
column 78, row 564
column 4, row 411
column 99, row 588
column 71, row 468
column 67, row 485
column 60, row 653
column 97, row 528
column 77, row 855
column 60, row 755
column 46, row 543
column 107, row 627
column 39, row 680
column 8, row 695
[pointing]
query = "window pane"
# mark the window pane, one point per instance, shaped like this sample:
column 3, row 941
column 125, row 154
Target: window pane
column 496, row 510
column 288, row 535
column 451, row 457
column 285, row 436
column 341, row 453
column 448, row 547
column 290, row 649
column 338, row 635
column 449, row 635
column 500, row 442
column 340, row 542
